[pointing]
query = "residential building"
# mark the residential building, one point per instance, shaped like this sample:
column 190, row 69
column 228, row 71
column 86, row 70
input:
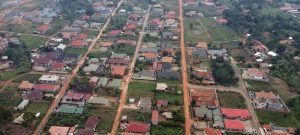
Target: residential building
column 145, row 104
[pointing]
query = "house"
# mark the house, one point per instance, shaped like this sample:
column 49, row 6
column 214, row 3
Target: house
column 50, row 79
column 115, row 83
column 102, row 81
column 106, row 44
column 200, row 54
column 57, row 130
column 222, row 21
column 258, row 46
column 213, row 54
column 84, row 132
column 207, row 77
column 92, row 122
column 167, row 35
column 217, row 118
column 101, row 101
column 145, row 104
column 191, row 3
column 234, row 125
column 130, row 27
column 42, row 64
column 157, row 12
column 154, row 117
column 145, row 75
column 118, row 56
column 93, row 81
column 268, row 100
column 73, row 97
column 46, row 88
column 60, row 48
column 78, row 43
column 137, row 127
column 135, row 17
column 34, row 95
column 170, row 15
column 150, row 56
column 95, row 25
column 23, row 105
column 168, row 74
column 202, row 113
column 5, row 64
column 91, row 68
column 42, row 29
column 71, row 29
column 25, row 85
column 275, row 130
column 212, row 131
column 201, row 45
column 113, row 33
column 168, row 115
column 118, row 70
column 162, row 103
column 161, row 87
column 256, row 74
column 154, row 25
column 78, row 23
column 81, row 36
column 120, row 61
column 58, row 66
column 167, row 59
column 242, row 114
column 204, row 97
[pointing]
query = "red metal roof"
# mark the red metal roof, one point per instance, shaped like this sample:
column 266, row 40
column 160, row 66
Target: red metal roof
column 235, row 113
column 77, row 43
column 46, row 87
column 234, row 124
column 154, row 116
column 137, row 127
column 92, row 122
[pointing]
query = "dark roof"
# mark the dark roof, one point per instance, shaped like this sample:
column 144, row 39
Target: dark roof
column 166, row 66
column 85, row 132
column 91, row 122
column 34, row 95
column 200, row 53
column 118, row 61
column 68, row 56
column 137, row 127
column 86, row 89
column 167, row 74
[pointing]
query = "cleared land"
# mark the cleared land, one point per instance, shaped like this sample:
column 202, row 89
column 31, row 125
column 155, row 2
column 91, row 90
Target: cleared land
column 137, row 89
column 236, row 100
column 32, row 42
column 280, row 119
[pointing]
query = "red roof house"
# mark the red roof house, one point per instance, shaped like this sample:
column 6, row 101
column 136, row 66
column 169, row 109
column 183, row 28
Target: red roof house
column 78, row 43
column 118, row 70
column 93, row 81
column 234, row 125
column 46, row 87
column 162, row 103
column 57, row 66
column 92, row 122
column 211, row 131
column 43, row 28
column 125, row 41
column 137, row 127
column 81, row 36
column 34, row 95
column 154, row 117
column 114, row 33
column 222, row 21
column 236, row 113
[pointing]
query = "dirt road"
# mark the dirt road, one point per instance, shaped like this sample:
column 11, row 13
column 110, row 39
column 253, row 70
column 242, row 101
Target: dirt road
column 186, row 97
column 127, row 80
column 64, row 88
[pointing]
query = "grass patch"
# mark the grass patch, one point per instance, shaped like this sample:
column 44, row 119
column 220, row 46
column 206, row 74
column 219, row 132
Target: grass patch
column 36, row 106
column 137, row 89
column 32, row 42
column 236, row 100
column 136, row 115
column 107, row 116
column 162, row 130
column 10, row 103
column 91, row 33
column 195, row 33
column 28, row 77
column 218, row 32
column 172, row 98
column 79, row 51
column 20, row 28
column 56, row 25
column 260, row 86
column 168, row 81
column 5, row 75
column 280, row 119
column 121, row 48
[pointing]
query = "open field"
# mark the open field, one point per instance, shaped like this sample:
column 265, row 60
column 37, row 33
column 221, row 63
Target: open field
column 7, row 75
column 55, row 26
column 137, row 89
column 28, row 77
column 135, row 115
column 172, row 98
column 236, row 100
column 280, row 119
column 30, row 6
column 107, row 116
column 218, row 33
column 25, row 27
column 259, row 86
column 32, row 42
column 37, row 107
column 194, row 33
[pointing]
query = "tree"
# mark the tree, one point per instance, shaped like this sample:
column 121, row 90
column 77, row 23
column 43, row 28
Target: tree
column 90, row 11
column 191, row 26
column 5, row 116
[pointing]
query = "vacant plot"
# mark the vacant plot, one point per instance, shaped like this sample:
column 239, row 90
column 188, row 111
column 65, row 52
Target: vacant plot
column 194, row 32
column 91, row 33
column 32, row 42
column 236, row 100
column 30, row 6
column 218, row 33
column 37, row 107
column 124, row 49
column 172, row 98
column 5, row 75
column 135, row 115
column 163, row 130
column 25, row 27
column 137, row 89
column 79, row 51
column 107, row 116
column 260, row 86
column 280, row 119
column 28, row 77
column 56, row 25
